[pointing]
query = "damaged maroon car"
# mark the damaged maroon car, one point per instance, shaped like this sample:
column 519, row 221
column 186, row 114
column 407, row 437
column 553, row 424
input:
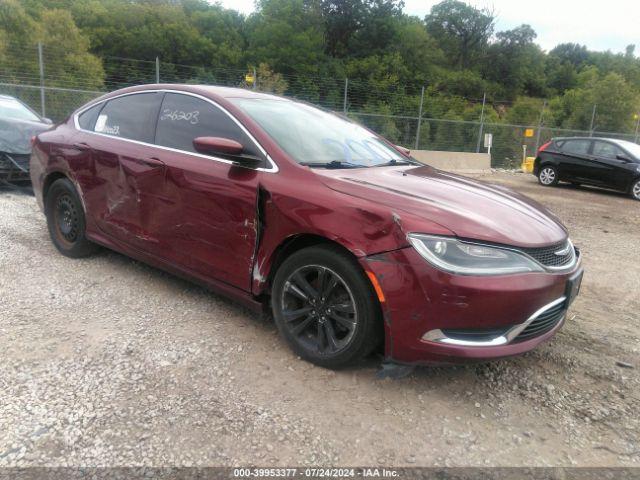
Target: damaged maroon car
column 352, row 243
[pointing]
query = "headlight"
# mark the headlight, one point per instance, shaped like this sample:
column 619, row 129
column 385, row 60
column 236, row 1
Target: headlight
column 465, row 258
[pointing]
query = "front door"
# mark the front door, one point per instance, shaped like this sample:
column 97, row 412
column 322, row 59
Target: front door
column 574, row 159
column 208, row 209
column 606, row 168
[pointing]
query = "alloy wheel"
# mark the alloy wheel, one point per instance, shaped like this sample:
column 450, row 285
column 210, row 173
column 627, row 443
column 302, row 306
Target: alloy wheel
column 636, row 190
column 319, row 310
column 547, row 176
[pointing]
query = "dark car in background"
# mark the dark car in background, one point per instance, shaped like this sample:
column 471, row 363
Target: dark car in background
column 18, row 125
column 601, row 162
column 279, row 204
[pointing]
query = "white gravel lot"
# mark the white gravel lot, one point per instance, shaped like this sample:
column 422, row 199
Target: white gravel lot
column 108, row 362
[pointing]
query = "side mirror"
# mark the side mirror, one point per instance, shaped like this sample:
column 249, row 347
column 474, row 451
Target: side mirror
column 225, row 148
column 622, row 157
column 405, row 151
column 47, row 120
column 213, row 145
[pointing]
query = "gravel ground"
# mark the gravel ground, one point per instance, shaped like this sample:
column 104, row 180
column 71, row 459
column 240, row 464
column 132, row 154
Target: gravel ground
column 108, row 362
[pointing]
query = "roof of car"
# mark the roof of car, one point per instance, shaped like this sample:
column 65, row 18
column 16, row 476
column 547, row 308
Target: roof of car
column 617, row 141
column 586, row 138
column 230, row 92
column 224, row 92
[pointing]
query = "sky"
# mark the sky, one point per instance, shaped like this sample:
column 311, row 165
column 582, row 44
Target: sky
column 600, row 25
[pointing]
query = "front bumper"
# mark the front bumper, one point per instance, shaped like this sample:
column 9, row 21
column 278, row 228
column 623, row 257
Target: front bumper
column 14, row 168
column 435, row 317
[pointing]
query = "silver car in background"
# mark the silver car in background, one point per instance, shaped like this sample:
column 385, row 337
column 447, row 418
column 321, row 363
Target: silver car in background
column 18, row 124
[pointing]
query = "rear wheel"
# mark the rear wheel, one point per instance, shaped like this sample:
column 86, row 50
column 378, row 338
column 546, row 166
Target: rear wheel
column 66, row 221
column 325, row 307
column 635, row 189
column 548, row 176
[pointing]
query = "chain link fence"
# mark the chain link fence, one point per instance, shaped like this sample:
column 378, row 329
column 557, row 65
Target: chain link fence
column 42, row 80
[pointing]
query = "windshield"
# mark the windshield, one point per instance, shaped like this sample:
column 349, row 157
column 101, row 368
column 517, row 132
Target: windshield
column 317, row 138
column 13, row 109
column 632, row 148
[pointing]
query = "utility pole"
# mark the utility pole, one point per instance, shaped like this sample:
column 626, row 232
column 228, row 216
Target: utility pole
column 157, row 69
column 538, row 132
column 344, row 100
column 593, row 119
column 419, row 118
column 255, row 78
column 484, row 100
column 41, row 64
column 637, row 127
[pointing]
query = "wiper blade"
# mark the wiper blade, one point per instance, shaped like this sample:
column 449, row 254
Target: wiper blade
column 333, row 164
column 396, row 162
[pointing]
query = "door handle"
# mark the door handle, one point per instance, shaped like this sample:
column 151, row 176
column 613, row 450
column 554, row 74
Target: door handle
column 82, row 146
column 153, row 162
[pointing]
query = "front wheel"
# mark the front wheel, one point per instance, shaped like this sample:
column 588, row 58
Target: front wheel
column 548, row 176
column 66, row 221
column 325, row 307
column 635, row 189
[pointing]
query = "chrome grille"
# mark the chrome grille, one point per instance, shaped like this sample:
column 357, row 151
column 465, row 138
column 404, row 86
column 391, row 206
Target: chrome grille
column 547, row 255
column 543, row 322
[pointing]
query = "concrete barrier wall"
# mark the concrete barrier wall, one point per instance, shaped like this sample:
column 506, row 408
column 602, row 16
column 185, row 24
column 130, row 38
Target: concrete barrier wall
column 454, row 161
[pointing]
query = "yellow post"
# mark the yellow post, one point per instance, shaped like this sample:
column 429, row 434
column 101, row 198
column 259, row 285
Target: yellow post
column 527, row 162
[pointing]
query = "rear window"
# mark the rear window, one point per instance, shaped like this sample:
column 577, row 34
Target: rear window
column 87, row 119
column 131, row 116
column 579, row 147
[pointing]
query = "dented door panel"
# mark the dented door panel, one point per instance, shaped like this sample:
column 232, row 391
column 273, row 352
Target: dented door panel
column 208, row 217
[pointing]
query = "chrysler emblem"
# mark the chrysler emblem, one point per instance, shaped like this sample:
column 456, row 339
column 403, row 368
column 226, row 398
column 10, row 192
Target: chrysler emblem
column 564, row 251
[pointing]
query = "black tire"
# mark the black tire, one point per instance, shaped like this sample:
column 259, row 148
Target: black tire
column 548, row 176
column 355, row 333
column 66, row 221
column 635, row 189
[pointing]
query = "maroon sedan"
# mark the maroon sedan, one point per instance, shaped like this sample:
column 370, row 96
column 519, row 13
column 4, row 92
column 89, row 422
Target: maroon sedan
column 278, row 204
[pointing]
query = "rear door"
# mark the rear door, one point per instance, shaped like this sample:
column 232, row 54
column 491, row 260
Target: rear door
column 207, row 216
column 129, row 178
column 574, row 158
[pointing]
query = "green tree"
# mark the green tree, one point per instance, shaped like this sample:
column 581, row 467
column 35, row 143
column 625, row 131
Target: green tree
column 419, row 51
column 360, row 27
column 268, row 81
column 516, row 62
column 68, row 61
column 616, row 103
column 461, row 30
column 287, row 35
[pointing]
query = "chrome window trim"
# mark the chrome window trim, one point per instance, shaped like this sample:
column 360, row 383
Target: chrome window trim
column 273, row 167
column 438, row 336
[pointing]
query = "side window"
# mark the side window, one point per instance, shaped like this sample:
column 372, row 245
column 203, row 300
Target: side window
column 131, row 116
column 578, row 147
column 87, row 119
column 183, row 118
column 606, row 149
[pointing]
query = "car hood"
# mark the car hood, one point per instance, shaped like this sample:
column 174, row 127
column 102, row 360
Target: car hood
column 469, row 208
column 15, row 135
